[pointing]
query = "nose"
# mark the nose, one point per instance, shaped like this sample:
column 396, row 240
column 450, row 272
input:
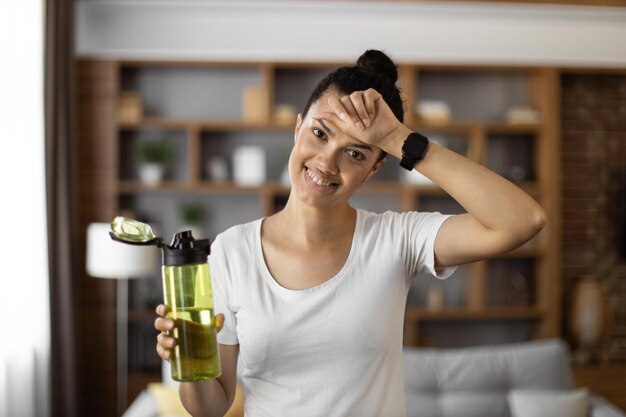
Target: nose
column 327, row 161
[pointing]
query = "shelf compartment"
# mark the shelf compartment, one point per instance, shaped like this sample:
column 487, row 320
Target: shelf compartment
column 293, row 85
column 454, row 289
column 463, row 314
column 474, row 94
column 512, row 156
column 276, row 147
column 175, row 170
column 191, row 91
column 511, row 282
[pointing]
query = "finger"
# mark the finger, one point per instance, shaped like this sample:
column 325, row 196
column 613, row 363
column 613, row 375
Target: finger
column 162, row 310
column 353, row 115
column 163, row 353
column 338, row 108
column 358, row 101
column 370, row 97
column 166, row 341
column 333, row 119
column 163, row 324
column 219, row 322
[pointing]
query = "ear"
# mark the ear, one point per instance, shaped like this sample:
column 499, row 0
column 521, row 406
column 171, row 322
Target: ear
column 298, row 126
column 375, row 168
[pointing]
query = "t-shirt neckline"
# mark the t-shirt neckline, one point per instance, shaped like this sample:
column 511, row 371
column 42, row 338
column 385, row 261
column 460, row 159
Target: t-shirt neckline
column 331, row 282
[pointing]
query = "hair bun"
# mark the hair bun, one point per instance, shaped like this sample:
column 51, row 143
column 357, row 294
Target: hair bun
column 378, row 62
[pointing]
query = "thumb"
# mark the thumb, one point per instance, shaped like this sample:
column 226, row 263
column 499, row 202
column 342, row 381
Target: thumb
column 219, row 321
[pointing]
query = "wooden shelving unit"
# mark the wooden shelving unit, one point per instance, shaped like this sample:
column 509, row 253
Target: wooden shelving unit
column 485, row 138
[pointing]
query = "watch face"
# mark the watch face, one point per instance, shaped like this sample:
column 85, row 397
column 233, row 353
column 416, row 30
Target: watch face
column 415, row 146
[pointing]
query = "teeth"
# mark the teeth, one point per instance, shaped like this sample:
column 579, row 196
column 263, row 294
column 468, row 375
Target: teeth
column 317, row 180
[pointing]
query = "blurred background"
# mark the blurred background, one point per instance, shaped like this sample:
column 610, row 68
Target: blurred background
column 181, row 113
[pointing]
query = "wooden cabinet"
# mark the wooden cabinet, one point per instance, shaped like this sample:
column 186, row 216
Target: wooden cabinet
column 607, row 381
column 208, row 109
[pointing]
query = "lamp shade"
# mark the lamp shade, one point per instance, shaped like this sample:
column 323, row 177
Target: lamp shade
column 107, row 258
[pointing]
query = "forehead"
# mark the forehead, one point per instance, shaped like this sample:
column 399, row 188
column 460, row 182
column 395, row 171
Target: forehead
column 321, row 105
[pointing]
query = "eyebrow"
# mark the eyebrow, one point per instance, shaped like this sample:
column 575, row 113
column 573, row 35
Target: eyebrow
column 320, row 121
column 361, row 146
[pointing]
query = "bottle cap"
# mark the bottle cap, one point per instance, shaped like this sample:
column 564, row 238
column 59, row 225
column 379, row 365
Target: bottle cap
column 185, row 250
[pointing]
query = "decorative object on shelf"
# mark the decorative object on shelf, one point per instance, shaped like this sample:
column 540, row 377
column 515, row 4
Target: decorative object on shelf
column 113, row 260
column 217, row 169
column 285, row 179
column 249, row 165
column 130, row 107
column 153, row 154
column 254, row 104
column 522, row 115
column 516, row 173
column 433, row 111
column 514, row 289
column 436, row 298
column 284, row 113
column 591, row 319
column 191, row 215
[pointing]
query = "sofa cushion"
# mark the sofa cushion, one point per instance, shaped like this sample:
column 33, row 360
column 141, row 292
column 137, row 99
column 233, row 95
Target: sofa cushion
column 475, row 381
column 534, row 403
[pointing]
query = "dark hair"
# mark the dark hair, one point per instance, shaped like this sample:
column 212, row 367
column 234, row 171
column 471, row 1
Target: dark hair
column 374, row 70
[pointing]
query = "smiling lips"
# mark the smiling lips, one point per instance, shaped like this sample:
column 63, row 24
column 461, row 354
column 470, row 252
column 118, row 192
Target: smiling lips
column 318, row 181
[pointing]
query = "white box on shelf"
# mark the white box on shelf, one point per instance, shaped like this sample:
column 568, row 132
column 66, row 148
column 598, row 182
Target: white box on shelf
column 249, row 165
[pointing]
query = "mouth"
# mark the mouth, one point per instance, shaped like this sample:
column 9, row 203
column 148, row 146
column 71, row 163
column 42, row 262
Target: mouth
column 314, row 179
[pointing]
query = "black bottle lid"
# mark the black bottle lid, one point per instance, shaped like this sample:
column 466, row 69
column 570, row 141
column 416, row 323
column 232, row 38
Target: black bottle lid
column 185, row 250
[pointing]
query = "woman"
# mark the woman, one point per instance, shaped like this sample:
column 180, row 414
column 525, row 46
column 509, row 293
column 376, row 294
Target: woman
column 312, row 298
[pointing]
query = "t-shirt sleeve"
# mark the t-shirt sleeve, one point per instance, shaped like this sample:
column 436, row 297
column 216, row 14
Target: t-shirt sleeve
column 417, row 232
column 221, row 282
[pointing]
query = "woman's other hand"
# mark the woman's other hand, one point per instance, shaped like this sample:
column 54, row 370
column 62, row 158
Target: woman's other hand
column 165, row 342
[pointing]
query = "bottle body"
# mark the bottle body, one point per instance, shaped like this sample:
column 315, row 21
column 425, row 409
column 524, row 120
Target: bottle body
column 187, row 293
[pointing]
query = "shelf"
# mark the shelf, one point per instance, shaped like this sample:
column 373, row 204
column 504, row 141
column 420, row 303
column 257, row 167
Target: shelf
column 204, row 124
column 375, row 187
column 237, row 125
column 467, row 127
column 499, row 313
column 136, row 187
column 530, row 252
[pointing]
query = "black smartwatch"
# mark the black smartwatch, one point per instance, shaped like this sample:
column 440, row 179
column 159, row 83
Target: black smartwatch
column 413, row 150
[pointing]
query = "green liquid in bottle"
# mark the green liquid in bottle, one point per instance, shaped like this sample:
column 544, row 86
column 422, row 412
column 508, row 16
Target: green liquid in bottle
column 187, row 291
column 195, row 355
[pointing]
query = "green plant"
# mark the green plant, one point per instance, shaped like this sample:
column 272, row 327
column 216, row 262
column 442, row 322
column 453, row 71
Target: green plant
column 152, row 148
column 191, row 213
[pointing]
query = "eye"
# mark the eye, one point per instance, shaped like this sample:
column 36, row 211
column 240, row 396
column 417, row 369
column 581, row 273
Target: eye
column 319, row 133
column 356, row 155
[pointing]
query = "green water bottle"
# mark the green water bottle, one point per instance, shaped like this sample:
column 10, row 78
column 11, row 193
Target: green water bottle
column 187, row 294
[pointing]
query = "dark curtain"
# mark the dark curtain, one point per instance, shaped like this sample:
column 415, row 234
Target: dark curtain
column 59, row 137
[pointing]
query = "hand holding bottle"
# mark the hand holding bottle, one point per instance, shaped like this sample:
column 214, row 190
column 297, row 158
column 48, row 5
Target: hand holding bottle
column 165, row 342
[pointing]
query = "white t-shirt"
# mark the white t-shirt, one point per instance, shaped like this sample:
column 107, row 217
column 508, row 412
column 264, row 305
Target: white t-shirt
column 334, row 349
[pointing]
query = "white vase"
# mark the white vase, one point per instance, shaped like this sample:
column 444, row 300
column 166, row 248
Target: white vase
column 591, row 318
column 151, row 174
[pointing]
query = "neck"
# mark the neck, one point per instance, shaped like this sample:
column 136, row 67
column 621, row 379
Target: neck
column 314, row 226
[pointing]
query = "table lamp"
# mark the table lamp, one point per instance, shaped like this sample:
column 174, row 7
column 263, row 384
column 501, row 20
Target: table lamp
column 109, row 259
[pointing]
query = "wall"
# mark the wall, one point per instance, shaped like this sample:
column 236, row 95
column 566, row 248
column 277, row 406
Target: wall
column 519, row 34
column 593, row 129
